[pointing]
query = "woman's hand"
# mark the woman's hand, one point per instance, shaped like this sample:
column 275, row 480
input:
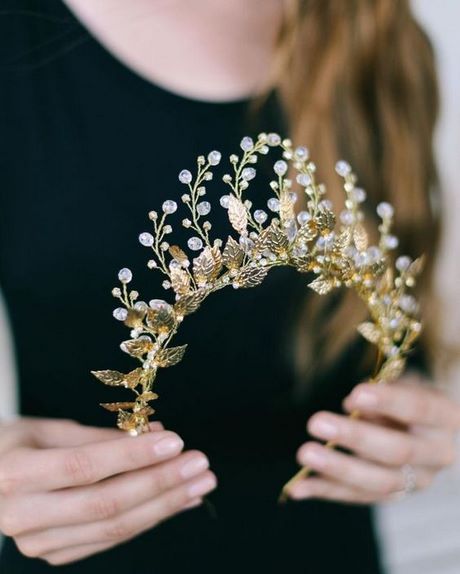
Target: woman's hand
column 405, row 423
column 68, row 491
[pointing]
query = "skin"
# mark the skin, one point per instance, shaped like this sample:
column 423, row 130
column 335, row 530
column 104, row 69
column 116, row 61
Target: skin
column 206, row 49
column 406, row 422
column 68, row 491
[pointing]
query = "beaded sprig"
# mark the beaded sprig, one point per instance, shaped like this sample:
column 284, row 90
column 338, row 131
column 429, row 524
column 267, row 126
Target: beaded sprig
column 310, row 240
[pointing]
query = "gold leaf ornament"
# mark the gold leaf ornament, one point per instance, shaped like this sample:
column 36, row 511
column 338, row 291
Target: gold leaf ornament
column 135, row 318
column 392, row 369
column 321, row 285
column 137, row 347
column 180, row 280
column 117, row 379
column 237, row 214
column 274, row 240
column 115, row 407
column 326, row 221
column 286, row 207
column 148, row 396
column 217, row 257
column 308, row 241
column 178, row 254
column 111, row 378
column 133, row 423
column 232, row 255
column 307, row 233
column 370, row 332
column 386, row 282
column 344, row 239
column 170, row 357
column 161, row 319
column 360, row 237
column 251, row 276
column 417, row 266
column 204, row 266
column 135, row 377
column 189, row 303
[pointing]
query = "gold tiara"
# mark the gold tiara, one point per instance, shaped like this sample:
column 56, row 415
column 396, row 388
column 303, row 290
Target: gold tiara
column 338, row 253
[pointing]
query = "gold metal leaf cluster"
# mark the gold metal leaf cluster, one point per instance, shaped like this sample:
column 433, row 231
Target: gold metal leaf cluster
column 335, row 248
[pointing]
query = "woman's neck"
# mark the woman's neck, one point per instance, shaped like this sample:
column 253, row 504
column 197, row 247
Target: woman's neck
column 206, row 49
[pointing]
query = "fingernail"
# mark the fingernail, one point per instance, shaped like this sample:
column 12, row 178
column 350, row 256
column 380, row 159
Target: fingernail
column 324, row 428
column 201, row 486
column 315, row 457
column 167, row 446
column 365, row 398
column 194, row 466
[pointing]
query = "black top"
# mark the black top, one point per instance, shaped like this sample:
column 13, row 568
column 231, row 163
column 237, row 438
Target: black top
column 87, row 148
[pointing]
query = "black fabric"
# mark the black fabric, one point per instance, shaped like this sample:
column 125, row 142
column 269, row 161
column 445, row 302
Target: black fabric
column 87, row 148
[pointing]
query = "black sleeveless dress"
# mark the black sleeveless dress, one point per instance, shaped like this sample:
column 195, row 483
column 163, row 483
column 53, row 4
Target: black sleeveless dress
column 87, row 148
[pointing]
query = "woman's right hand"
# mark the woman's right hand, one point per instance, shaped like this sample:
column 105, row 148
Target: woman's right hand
column 68, row 490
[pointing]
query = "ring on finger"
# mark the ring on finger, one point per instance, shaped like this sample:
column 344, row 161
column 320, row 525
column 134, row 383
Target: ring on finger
column 409, row 482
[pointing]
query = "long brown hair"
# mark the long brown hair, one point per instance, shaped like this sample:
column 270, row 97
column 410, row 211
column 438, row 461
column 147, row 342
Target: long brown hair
column 358, row 81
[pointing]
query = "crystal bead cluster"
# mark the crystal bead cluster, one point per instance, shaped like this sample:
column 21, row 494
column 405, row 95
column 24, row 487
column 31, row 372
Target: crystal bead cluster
column 311, row 239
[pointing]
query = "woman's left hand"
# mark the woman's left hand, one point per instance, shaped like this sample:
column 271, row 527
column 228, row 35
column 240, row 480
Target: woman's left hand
column 404, row 427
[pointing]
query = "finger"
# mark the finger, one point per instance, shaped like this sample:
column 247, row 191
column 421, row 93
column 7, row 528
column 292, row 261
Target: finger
column 383, row 421
column 104, row 500
column 29, row 470
column 327, row 489
column 355, row 472
column 74, row 553
column 380, row 444
column 50, row 433
column 407, row 403
column 14, row 434
column 120, row 528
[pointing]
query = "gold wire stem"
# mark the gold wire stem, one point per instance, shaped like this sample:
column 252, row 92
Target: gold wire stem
column 305, row 471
